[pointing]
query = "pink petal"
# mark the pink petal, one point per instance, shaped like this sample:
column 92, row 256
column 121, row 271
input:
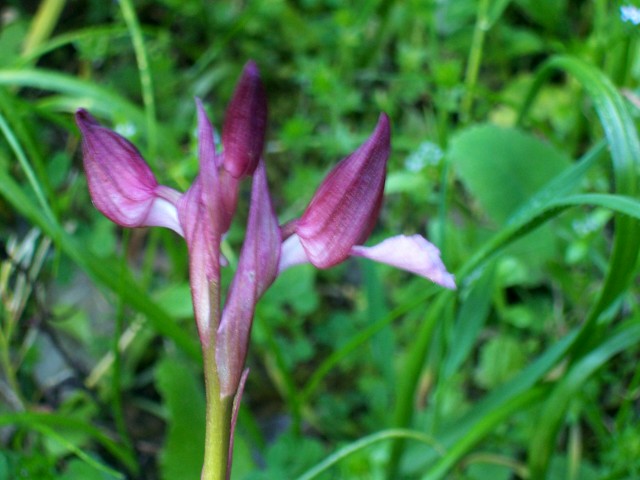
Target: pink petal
column 412, row 253
column 203, row 243
column 121, row 184
column 292, row 253
column 227, row 184
column 201, row 217
column 257, row 269
column 245, row 124
column 345, row 207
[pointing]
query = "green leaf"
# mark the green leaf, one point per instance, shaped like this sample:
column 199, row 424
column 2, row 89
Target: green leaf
column 183, row 396
column 500, row 358
column 503, row 167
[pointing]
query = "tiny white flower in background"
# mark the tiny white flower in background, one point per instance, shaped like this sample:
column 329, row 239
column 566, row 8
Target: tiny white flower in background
column 629, row 13
column 127, row 130
column 428, row 153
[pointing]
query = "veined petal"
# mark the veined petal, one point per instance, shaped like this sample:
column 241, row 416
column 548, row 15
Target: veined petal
column 121, row 184
column 225, row 185
column 201, row 217
column 204, row 260
column 345, row 207
column 245, row 124
column 412, row 253
column 257, row 269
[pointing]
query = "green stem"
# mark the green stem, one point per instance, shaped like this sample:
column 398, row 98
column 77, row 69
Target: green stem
column 218, row 421
column 146, row 83
column 475, row 58
column 116, row 384
column 7, row 365
column 43, row 24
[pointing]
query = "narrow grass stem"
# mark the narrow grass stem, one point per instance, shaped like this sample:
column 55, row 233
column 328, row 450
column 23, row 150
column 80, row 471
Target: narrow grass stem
column 7, row 366
column 116, row 384
column 146, row 83
column 43, row 24
column 475, row 58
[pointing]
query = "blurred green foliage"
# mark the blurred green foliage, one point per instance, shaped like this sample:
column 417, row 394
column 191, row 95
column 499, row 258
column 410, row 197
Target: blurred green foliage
column 514, row 150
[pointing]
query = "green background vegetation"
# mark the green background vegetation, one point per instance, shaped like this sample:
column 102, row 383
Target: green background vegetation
column 515, row 150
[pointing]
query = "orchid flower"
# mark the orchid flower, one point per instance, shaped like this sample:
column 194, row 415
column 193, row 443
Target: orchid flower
column 333, row 227
column 343, row 212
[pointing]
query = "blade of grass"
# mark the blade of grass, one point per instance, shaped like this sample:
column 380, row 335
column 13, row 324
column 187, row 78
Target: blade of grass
column 90, row 33
column 116, row 377
column 410, row 374
column 144, row 70
column 43, row 24
column 38, row 421
column 538, row 210
column 624, row 145
column 464, row 433
column 14, row 113
column 355, row 343
column 475, row 59
column 543, row 438
column 621, row 134
column 485, row 425
column 517, row 224
column 100, row 100
column 470, row 319
column 530, row 375
column 99, row 270
column 75, row 450
column 26, row 168
column 365, row 442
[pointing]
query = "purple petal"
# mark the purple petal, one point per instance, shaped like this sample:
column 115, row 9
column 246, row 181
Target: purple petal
column 257, row 269
column 121, row 184
column 202, row 219
column 345, row 207
column 412, row 253
column 203, row 243
column 227, row 185
column 245, row 124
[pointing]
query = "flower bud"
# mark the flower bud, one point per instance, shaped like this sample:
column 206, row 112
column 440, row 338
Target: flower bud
column 245, row 124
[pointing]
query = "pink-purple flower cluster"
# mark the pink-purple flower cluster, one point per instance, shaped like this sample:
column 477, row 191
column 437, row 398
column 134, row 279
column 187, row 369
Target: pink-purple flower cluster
column 333, row 227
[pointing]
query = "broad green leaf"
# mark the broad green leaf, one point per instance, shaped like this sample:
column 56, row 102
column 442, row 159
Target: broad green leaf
column 503, row 167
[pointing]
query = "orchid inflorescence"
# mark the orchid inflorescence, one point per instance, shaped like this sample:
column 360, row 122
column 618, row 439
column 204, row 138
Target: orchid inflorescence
column 333, row 227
